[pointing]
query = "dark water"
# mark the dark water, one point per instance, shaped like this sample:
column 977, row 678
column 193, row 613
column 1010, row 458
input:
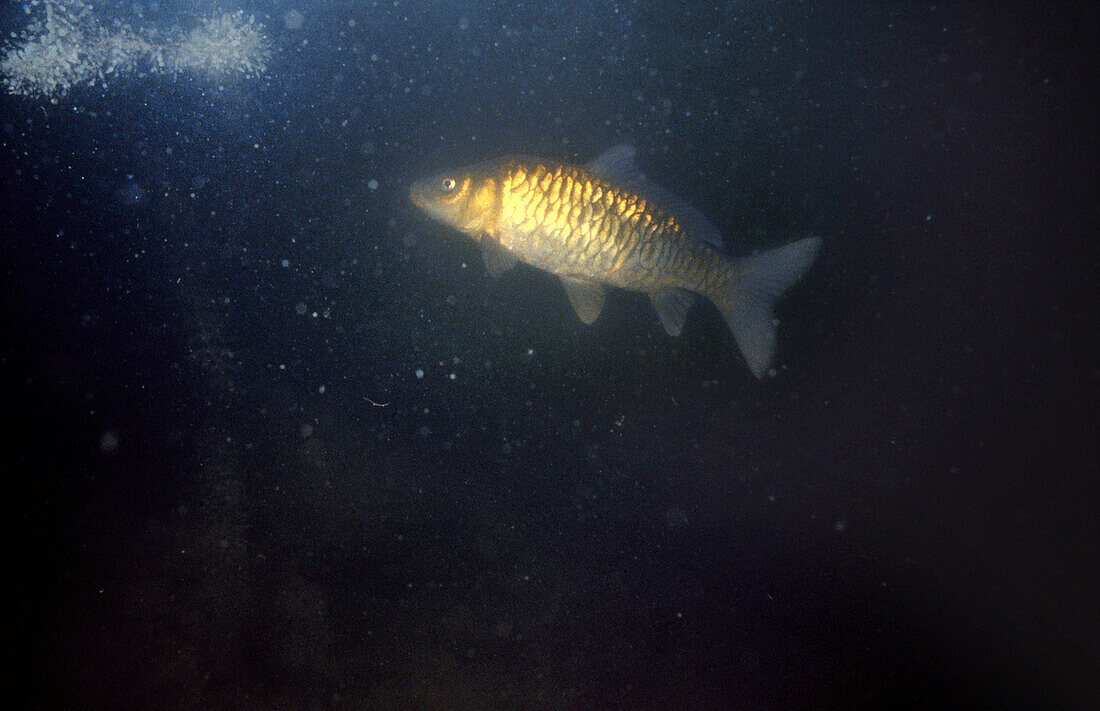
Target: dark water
column 228, row 487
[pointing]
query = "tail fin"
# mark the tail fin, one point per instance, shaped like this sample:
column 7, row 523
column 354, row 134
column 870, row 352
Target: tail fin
column 754, row 285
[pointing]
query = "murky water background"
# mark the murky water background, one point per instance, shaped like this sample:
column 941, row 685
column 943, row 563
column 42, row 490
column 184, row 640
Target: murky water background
column 280, row 442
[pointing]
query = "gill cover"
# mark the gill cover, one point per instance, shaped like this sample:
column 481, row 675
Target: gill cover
column 465, row 199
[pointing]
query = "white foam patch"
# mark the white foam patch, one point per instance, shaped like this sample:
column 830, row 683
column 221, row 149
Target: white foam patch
column 65, row 46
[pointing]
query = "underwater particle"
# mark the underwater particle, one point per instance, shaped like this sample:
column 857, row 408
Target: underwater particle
column 285, row 263
column 425, row 431
column 131, row 193
column 108, row 442
column 840, row 526
column 372, row 184
column 419, row 374
column 293, row 20
column 300, row 308
column 676, row 517
column 306, row 431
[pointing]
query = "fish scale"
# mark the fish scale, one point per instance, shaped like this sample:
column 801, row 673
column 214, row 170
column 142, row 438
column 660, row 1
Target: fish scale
column 591, row 221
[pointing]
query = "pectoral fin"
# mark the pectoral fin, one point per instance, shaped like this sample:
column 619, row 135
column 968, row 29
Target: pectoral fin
column 497, row 259
column 672, row 307
column 585, row 296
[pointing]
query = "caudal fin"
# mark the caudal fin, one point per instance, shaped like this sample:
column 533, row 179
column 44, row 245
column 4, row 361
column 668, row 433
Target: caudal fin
column 754, row 285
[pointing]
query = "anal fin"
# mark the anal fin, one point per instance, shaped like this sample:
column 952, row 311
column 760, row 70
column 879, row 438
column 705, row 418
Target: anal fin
column 585, row 296
column 672, row 307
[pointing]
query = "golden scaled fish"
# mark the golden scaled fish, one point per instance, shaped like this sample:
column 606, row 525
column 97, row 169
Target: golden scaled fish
column 604, row 224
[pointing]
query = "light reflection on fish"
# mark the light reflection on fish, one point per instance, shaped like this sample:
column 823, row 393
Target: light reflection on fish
column 603, row 225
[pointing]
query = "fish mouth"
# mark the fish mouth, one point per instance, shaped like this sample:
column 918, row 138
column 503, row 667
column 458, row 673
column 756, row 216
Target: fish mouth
column 417, row 196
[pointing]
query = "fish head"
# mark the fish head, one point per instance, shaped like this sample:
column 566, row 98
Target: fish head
column 464, row 199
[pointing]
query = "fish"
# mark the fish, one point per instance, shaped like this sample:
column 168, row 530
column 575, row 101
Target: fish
column 604, row 224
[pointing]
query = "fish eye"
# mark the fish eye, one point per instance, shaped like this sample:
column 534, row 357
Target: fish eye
column 448, row 184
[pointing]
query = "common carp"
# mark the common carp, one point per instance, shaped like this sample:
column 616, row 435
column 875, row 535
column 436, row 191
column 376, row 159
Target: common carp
column 603, row 224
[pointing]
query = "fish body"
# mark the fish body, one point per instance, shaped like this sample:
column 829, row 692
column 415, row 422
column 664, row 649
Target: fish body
column 604, row 224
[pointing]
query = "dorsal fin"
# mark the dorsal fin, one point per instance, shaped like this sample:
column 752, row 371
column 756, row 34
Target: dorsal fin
column 618, row 165
column 693, row 222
